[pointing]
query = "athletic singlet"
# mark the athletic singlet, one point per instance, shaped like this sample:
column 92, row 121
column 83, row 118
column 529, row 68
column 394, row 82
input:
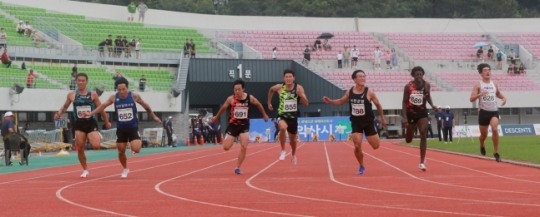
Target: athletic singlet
column 288, row 102
column 126, row 111
column 488, row 101
column 82, row 104
column 417, row 98
column 239, row 111
column 360, row 107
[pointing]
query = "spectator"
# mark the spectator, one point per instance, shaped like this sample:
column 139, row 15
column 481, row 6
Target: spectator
column 510, row 70
column 274, row 53
column 3, row 38
column 116, row 76
column 138, row 48
column 20, row 28
column 187, row 48
column 340, row 59
column 8, row 128
column 74, row 73
column 167, row 126
column 355, row 53
column 512, row 57
column 28, row 30
column 490, row 53
column 394, row 59
column 193, row 49
column 307, row 56
column 346, row 56
column 388, row 59
column 480, row 53
column 499, row 56
column 142, row 83
column 521, row 69
column 142, row 8
column 132, row 8
column 101, row 48
column 448, row 124
column 326, row 45
column 109, row 44
column 30, row 79
column 377, row 55
column 127, row 51
column 5, row 59
column 118, row 46
column 317, row 45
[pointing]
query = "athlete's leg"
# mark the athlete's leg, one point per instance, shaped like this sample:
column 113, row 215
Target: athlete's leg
column 121, row 147
column 135, row 145
column 483, row 134
column 293, row 141
column 228, row 141
column 80, row 143
column 282, row 133
column 422, row 126
column 374, row 141
column 95, row 139
column 244, row 140
column 494, row 123
column 357, row 140
column 409, row 133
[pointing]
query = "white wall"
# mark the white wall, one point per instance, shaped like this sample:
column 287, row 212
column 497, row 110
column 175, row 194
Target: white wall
column 51, row 100
column 201, row 21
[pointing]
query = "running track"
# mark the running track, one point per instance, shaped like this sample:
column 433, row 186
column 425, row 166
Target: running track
column 201, row 182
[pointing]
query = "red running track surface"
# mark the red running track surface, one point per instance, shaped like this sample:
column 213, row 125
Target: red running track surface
column 323, row 183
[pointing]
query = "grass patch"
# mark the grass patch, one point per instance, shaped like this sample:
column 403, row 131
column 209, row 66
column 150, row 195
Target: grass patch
column 516, row 148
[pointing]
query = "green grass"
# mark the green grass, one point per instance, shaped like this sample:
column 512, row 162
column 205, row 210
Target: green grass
column 516, row 148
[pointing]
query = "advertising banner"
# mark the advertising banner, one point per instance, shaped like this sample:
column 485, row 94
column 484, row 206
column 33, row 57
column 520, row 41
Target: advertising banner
column 307, row 128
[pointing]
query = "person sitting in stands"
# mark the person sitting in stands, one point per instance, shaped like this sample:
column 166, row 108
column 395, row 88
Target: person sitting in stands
column 5, row 59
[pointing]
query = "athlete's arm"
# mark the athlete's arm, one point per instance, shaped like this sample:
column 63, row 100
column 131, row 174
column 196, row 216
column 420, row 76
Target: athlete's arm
column 103, row 113
column 259, row 106
column 302, row 94
column 271, row 91
column 428, row 88
column 475, row 94
column 102, row 107
column 373, row 98
column 406, row 96
column 500, row 95
column 223, row 108
column 137, row 98
column 339, row 101
column 64, row 107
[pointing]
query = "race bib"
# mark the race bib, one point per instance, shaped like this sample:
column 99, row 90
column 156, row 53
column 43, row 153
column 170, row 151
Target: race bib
column 290, row 105
column 240, row 112
column 125, row 114
column 488, row 98
column 358, row 109
column 82, row 109
column 416, row 99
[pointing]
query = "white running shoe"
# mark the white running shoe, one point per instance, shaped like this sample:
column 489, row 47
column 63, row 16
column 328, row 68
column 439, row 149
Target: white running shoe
column 422, row 167
column 85, row 173
column 124, row 173
column 282, row 155
column 294, row 160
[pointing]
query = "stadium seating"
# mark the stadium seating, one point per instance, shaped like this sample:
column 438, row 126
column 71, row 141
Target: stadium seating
column 464, row 81
column 157, row 80
column 91, row 32
column 12, row 75
column 437, row 46
column 291, row 45
column 14, row 39
column 385, row 81
column 531, row 41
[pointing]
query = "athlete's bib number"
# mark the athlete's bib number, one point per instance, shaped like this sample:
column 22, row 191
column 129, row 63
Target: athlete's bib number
column 125, row 114
column 82, row 109
column 416, row 99
column 290, row 105
column 488, row 98
column 240, row 112
column 358, row 109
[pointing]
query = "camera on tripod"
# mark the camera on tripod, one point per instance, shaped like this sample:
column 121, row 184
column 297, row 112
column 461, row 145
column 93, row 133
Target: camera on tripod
column 465, row 117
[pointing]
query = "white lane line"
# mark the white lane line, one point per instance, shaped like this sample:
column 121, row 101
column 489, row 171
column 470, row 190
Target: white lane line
column 157, row 187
